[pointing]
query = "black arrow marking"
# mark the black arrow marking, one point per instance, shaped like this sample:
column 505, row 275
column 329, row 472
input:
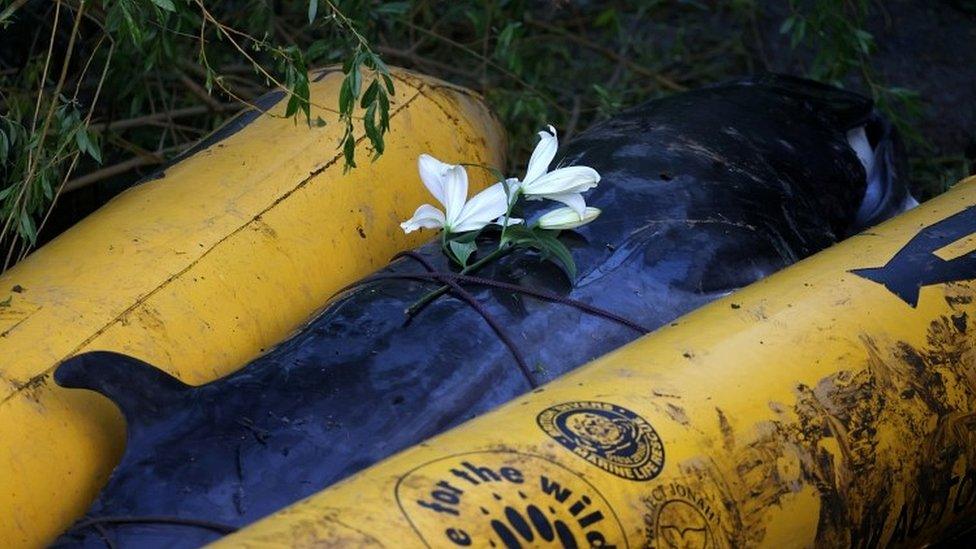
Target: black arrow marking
column 916, row 264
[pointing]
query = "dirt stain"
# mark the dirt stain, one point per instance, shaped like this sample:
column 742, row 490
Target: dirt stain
column 888, row 446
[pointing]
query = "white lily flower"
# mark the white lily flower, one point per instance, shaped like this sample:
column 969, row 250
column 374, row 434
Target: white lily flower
column 449, row 185
column 567, row 218
column 564, row 185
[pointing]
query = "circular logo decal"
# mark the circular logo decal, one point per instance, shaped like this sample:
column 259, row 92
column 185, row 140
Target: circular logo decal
column 680, row 517
column 609, row 436
column 680, row 525
column 506, row 500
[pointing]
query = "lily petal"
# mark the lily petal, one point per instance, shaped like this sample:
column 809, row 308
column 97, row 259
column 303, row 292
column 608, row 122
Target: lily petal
column 573, row 200
column 567, row 218
column 572, row 179
column 542, row 156
column 511, row 221
column 481, row 209
column 432, row 174
column 426, row 217
column 455, row 193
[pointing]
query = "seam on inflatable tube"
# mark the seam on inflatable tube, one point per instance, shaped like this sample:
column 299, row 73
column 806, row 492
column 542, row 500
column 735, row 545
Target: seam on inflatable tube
column 34, row 380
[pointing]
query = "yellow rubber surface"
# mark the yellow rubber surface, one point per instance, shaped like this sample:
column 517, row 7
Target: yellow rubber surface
column 817, row 407
column 202, row 270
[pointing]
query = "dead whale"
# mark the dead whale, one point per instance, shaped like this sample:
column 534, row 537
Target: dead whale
column 702, row 193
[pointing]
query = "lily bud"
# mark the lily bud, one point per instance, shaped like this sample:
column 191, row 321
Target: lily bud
column 567, row 218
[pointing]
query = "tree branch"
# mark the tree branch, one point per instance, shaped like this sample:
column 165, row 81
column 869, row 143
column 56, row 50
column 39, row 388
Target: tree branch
column 163, row 116
column 113, row 170
column 197, row 90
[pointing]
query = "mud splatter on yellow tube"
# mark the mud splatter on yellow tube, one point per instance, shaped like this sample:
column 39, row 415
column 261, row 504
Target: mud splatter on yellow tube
column 831, row 404
column 200, row 271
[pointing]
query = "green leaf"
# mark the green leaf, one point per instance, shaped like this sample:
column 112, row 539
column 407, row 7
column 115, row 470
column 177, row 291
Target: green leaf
column 357, row 80
column 369, row 61
column 208, row 81
column 787, row 24
column 462, row 251
column 4, row 147
column 27, row 229
column 292, row 107
column 380, row 146
column 370, row 94
column 45, row 184
column 86, row 145
column 380, row 65
column 369, row 125
column 6, row 302
column 302, row 91
column 349, row 151
column 864, row 40
column 316, row 49
column 389, row 83
column 81, row 138
column 95, row 151
column 392, row 8
column 133, row 28
column 606, row 18
column 165, row 4
column 549, row 245
column 467, row 237
column 520, row 235
column 799, row 33
column 505, row 39
column 384, row 111
column 345, row 97
column 313, row 9
column 902, row 93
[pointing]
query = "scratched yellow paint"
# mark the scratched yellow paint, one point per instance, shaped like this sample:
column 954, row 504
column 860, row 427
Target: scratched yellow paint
column 963, row 246
column 814, row 408
column 202, row 270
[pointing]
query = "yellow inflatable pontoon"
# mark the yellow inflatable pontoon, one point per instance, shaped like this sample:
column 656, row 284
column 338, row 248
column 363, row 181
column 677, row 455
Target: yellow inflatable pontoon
column 201, row 270
column 832, row 404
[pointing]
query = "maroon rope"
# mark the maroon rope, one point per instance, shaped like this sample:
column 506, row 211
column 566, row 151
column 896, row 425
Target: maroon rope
column 98, row 522
column 477, row 306
column 453, row 282
column 481, row 281
column 158, row 519
column 105, row 535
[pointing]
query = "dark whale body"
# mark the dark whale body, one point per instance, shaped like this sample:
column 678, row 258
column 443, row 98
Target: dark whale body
column 702, row 193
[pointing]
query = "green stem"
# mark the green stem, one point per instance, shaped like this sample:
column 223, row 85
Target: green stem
column 423, row 301
column 512, row 199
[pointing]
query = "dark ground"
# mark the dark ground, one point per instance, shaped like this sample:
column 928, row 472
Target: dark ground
column 928, row 47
